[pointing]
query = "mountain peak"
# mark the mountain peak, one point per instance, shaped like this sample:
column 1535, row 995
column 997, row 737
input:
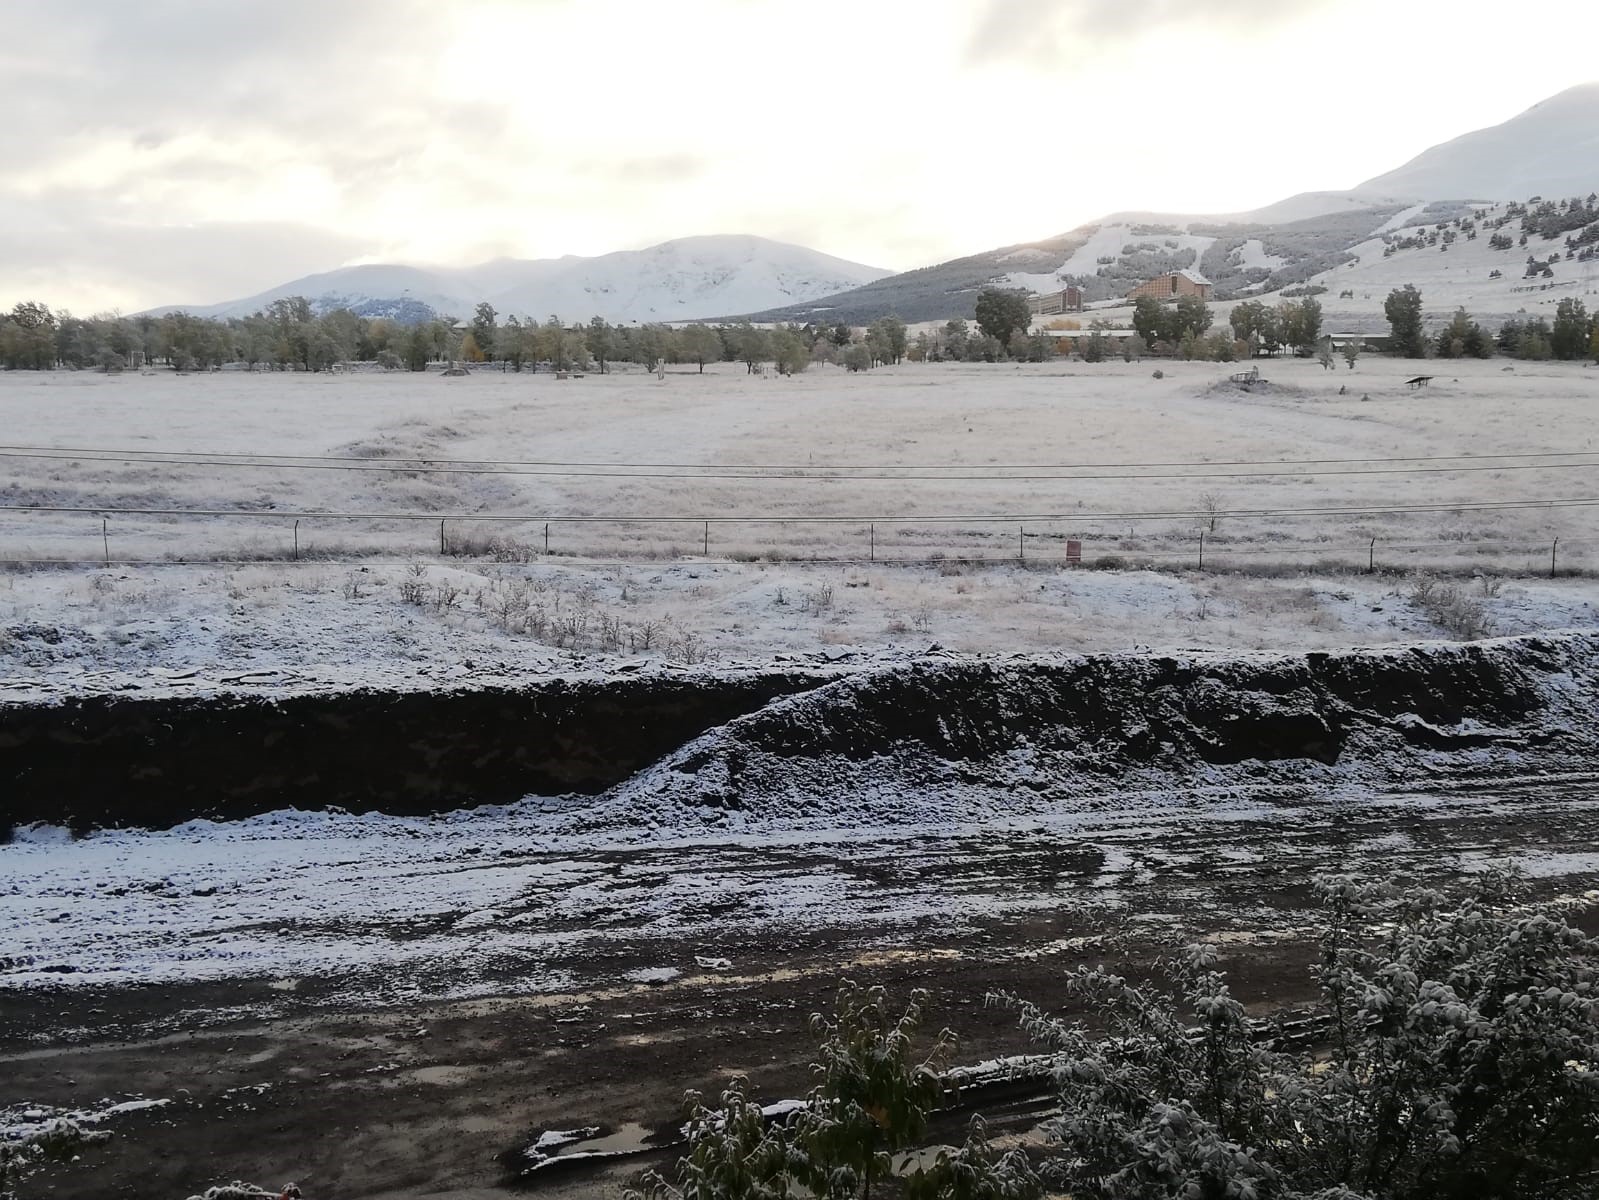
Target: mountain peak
column 1551, row 149
column 681, row 280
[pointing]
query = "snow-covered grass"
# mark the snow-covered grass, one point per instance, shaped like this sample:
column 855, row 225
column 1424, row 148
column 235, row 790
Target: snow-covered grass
column 408, row 908
column 644, row 589
column 203, row 626
column 977, row 419
column 1458, row 277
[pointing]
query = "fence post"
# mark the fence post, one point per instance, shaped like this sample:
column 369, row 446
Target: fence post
column 546, row 537
column 297, row 541
column 1021, row 544
column 105, row 538
column 1552, row 550
column 707, row 548
column 1371, row 558
column 1201, row 549
column 872, row 532
column 441, row 538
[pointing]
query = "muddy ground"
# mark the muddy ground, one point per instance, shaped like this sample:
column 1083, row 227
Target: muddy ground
column 274, row 1079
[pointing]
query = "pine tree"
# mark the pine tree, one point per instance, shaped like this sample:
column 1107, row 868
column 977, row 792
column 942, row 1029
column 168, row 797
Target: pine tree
column 1568, row 336
column 484, row 330
column 1403, row 310
column 1002, row 311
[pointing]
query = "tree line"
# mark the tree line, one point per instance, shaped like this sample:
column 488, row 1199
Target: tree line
column 1573, row 334
column 290, row 335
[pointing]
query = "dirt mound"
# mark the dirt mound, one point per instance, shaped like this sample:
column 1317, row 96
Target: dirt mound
column 1264, row 388
column 110, row 761
column 941, row 738
column 956, row 738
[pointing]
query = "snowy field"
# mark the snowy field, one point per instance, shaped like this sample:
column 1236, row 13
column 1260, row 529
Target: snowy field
column 521, row 899
column 944, row 474
column 251, row 990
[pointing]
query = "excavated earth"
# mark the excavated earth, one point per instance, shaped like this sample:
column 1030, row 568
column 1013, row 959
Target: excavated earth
column 261, row 954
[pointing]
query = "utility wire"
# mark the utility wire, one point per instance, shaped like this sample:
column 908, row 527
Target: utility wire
column 790, row 473
column 217, row 457
column 1080, row 517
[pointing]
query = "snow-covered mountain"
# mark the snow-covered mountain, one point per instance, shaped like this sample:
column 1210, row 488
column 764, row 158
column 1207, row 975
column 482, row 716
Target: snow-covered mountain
column 678, row 280
column 1551, row 150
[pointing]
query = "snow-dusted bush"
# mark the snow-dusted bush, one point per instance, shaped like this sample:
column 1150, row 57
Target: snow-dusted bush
column 1456, row 1058
column 59, row 1141
column 247, row 1191
column 1451, row 608
column 875, row 1089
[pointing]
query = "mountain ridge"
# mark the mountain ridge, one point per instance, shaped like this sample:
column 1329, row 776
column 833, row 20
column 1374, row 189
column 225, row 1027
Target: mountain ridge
column 682, row 279
column 1550, row 149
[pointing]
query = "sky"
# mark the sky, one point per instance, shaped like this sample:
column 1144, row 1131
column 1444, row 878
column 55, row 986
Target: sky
column 195, row 151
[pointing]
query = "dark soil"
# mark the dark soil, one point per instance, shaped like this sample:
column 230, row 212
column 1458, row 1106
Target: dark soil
column 356, row 1101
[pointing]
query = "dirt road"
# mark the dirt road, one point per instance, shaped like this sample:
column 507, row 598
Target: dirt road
column 363, row 1083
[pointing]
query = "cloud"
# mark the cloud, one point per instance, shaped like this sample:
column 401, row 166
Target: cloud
column 660, row 168
column 1053, row 33
column 184, row 150
column 86, row 264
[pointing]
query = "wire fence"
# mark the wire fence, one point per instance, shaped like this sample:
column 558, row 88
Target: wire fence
column 1176, row 538
column 935, row 540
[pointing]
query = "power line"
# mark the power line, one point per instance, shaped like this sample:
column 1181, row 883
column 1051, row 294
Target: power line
column 802, row 518
column 217, row 457
column 789, row 473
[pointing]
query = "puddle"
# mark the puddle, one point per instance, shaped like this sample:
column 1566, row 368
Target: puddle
column 471, row 1124
column 628, row 1138
column 558, row 1148
column 445, row 1076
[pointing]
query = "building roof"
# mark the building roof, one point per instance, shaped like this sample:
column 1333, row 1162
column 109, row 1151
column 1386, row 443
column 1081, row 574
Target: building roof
column 1193, row 277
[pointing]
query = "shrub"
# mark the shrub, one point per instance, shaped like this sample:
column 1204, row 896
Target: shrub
column 875, row 1089
column 1457, row 1059
column 1453, row 1054
column 1451, row 608
column 59, row 1140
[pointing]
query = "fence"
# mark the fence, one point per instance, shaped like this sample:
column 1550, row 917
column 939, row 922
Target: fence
column 1042, row 541
column 1369, row 536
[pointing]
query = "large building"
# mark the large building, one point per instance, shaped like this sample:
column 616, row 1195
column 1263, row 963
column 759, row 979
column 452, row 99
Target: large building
column 1068, row 299
column 1169, row 287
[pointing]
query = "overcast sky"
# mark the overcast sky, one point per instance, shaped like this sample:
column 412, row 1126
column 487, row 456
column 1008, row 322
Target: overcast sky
column 189, row 151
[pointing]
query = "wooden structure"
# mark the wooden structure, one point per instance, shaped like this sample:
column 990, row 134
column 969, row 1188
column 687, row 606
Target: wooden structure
column 1173, row 285
column 1247, row 379
column 1418, row 381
